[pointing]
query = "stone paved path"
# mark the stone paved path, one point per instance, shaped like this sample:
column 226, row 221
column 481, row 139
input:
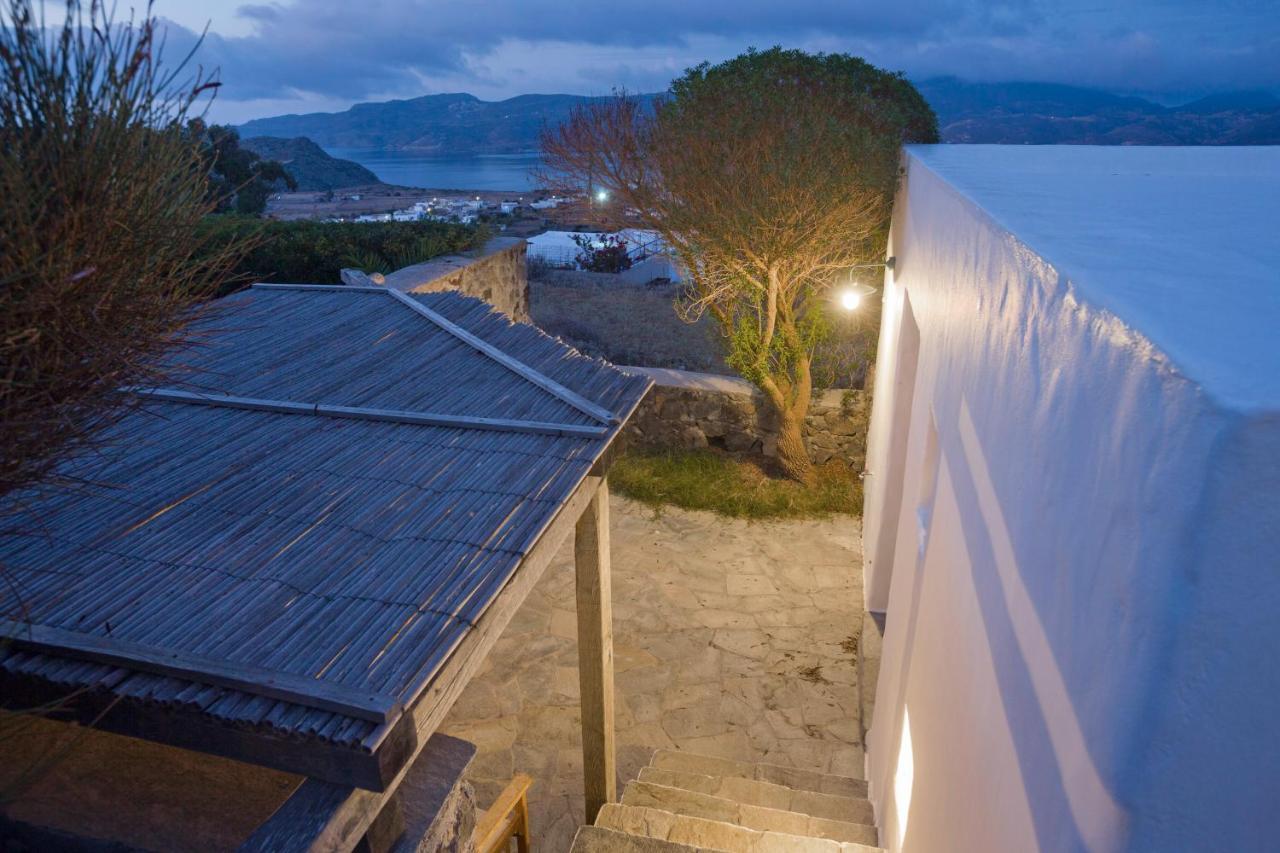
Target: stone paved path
column 730, row 639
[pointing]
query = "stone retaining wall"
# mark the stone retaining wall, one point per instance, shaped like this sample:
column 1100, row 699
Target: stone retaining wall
column 694, row 410
column 496, row 273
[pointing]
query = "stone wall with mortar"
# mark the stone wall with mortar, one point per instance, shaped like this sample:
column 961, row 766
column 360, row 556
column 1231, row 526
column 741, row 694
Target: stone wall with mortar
column 693, row 410
column 496, row 273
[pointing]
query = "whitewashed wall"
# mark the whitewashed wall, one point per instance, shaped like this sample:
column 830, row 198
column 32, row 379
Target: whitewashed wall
column 1080, row 562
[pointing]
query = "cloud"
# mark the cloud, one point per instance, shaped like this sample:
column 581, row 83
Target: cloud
column 310, row 52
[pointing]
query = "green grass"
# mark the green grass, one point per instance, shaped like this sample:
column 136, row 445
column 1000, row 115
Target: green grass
column 714, row 481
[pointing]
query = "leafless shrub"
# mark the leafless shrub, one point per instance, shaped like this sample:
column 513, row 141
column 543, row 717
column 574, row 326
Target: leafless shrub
column 101, row 190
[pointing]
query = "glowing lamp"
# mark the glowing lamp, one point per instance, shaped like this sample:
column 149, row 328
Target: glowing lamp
column 852, row 297
column 602, row 196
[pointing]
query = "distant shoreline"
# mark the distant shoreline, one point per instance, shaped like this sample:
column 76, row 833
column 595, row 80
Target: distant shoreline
column 464, row 173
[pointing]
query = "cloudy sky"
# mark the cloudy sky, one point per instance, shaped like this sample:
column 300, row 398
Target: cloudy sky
column 308, row 55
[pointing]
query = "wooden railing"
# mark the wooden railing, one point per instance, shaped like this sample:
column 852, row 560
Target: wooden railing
column 507, row 818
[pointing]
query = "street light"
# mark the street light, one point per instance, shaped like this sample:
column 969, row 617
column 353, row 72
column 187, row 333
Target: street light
column 602, row 196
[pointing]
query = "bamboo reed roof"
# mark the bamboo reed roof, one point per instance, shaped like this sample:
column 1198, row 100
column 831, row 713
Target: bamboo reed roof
column 258, row 517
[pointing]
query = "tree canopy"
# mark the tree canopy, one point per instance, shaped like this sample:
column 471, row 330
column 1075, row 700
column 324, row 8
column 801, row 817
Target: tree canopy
column 771, row 176
column 240, row 180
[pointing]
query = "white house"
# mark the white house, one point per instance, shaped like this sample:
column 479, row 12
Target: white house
column 1073, row 502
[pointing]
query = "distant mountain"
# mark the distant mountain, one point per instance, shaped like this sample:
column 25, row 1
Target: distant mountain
column 310, row 166
column 1045, row 113
column 1234, row 102
column 1011, row 113
column 437, row 124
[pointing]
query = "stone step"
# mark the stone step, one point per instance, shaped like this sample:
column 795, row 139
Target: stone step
column 694, row 804
column 801, row 780
column 767, row 794
column 718, row 835
column 599, row 839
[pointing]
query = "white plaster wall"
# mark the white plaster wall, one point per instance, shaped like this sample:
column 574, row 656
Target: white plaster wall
column 1084, row 598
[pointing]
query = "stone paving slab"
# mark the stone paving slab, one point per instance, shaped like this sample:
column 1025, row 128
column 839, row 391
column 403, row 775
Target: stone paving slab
column 731, row 639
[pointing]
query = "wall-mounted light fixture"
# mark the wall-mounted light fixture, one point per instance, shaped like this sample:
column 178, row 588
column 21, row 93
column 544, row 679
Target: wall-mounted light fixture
column 853, row 294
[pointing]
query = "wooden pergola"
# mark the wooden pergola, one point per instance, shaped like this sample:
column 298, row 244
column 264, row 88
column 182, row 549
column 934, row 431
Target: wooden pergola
column 300, row 556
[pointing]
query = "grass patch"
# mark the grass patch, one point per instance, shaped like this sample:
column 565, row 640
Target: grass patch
column 703, row 479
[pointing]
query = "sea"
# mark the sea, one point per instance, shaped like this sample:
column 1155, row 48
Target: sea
column 483, row 172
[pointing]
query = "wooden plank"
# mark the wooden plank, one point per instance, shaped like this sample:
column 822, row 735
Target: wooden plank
column 322, row 816
column 175, row 395
column 463, row 422
column 549, row 385
column 505, row 818
column 229, row 401
column 285, row 686
column 595, row 652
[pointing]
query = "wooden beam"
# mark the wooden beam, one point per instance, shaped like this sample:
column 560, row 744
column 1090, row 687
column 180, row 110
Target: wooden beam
column 399, row 416
column 340, row 288
column 321, row 816
column 386, row 830
column 273, row 684
column 595, row 652
column 518, row 367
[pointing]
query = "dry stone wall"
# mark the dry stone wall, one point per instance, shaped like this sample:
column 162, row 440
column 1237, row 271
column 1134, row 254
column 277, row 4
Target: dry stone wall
column 496, row 273
column 694, row 410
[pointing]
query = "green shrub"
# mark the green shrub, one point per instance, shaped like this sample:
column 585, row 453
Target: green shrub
column 315, row 252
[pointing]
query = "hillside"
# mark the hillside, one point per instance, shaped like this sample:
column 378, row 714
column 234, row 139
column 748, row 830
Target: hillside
column 436, row 124
column 1011, row 113
column 310, row 166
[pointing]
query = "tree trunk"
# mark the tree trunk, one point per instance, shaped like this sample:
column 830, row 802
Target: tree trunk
column 792, row 455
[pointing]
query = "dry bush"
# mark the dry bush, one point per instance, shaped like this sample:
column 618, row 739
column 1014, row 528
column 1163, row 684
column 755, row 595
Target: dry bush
column 101, row 193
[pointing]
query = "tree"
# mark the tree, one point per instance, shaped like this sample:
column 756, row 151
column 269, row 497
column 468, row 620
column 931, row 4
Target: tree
column 240, row 179
column 770, row 176
column 101, row 193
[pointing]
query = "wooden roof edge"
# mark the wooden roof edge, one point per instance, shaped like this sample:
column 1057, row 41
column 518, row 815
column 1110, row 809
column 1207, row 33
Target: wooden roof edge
column 189, row 727
column 272, row 684
column 177, row 395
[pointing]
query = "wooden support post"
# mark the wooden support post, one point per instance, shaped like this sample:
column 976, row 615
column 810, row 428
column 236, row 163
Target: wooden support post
column 595, row 652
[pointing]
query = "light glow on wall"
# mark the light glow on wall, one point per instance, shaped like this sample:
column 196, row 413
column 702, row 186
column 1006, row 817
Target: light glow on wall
column 904, row 775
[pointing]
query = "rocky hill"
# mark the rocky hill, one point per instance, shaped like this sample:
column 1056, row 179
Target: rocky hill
column 1011, row 113
column 1044, row 113
column 310, row 166
column 456, row 124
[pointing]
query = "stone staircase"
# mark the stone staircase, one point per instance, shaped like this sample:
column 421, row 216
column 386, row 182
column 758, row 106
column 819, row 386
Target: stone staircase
column 684, row 802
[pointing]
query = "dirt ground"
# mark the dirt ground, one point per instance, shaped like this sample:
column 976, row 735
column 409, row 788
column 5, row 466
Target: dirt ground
column 623, row 323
